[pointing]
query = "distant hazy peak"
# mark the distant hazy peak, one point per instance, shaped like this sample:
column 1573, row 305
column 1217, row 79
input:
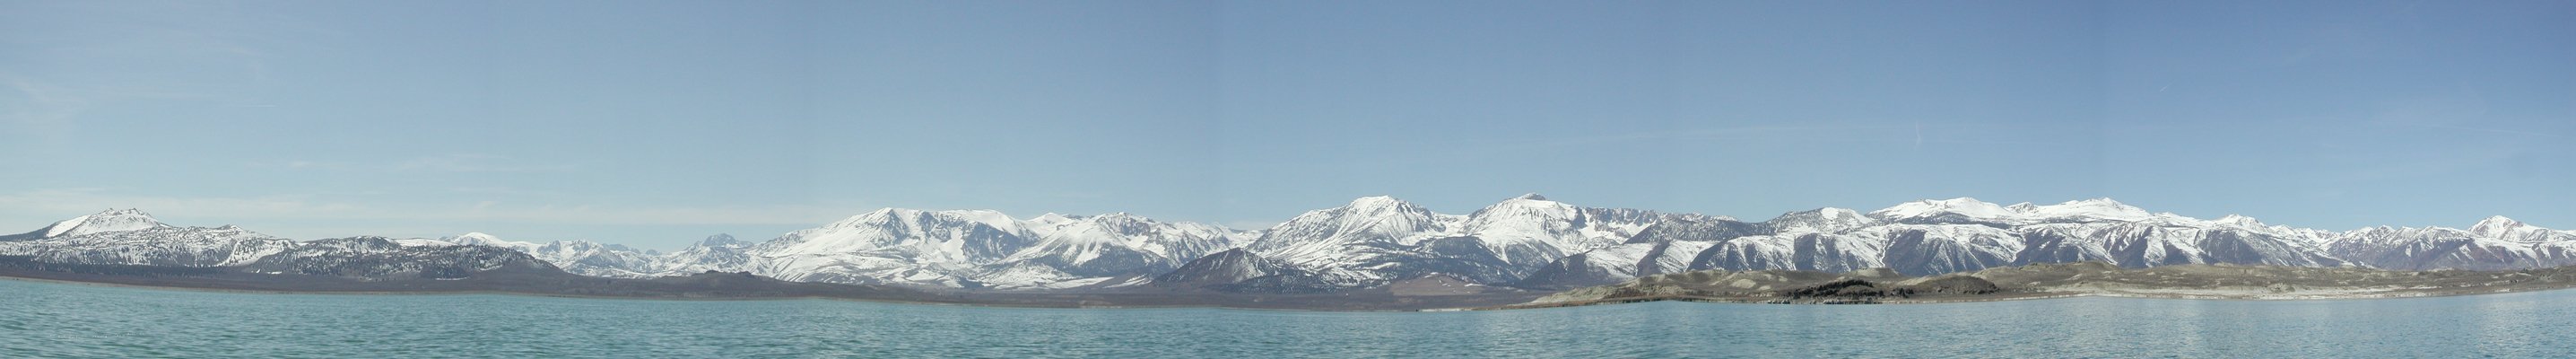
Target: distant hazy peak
column 719, row 240
column 473, row 238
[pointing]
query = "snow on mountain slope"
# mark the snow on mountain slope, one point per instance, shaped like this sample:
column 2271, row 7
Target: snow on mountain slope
column 575, row 256
column 595, row 259
column 1961, row 210
column 2509, row 230
column 2494, row 243
column 1666, row 245
column 942, row 248
column 1671, row 257
column 1599, row 266
column 1230, row 266
column 721, row 253
column 2079, row 211
column 1239, row 270
column 1354, row 244
column 1374, row 240
column 1799, row 251
column 1945, row 236
column 1527, row 241
column 1919, row 250
column 378, row 258
column 1532, row 230
column 1971, row 211
column 1616, row 263
column 1323, row 237
column 1822, row 220
column 902, row 246
column 163, row 246
column 980, row 249
column 111, row 220
column 132, row 238
column 1081, row 250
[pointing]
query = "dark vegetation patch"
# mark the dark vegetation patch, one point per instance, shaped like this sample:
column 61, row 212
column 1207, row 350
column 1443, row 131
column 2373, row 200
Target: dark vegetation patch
column 30, row 263
column 1957, row 285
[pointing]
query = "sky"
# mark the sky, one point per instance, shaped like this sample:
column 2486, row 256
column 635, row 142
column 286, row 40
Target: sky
column 656, row 123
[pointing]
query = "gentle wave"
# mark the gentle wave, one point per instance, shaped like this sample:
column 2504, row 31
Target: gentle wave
column 63, row 320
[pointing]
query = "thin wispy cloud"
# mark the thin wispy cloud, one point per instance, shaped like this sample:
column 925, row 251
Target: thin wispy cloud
column 83, row 200
column 291, row 164
column 444, row 163
column 40, row 206
column 39, row 109
column 133, row 54
column 138, row 98
column 2501, row 130
column 473, row 162
column 504, row 191
column 1889, row 133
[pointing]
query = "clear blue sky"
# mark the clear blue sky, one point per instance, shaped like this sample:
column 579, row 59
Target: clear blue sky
column 655, row 123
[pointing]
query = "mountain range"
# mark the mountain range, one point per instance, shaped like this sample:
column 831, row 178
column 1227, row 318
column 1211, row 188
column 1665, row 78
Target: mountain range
column 1526, row 242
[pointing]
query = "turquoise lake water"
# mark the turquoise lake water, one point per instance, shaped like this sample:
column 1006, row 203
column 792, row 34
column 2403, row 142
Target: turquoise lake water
column 64, row 320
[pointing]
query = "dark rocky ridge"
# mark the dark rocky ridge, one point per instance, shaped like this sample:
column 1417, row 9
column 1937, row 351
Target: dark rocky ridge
column 2060, row 280
column 516, row 280
column 1425, row 293
column 1238, row 270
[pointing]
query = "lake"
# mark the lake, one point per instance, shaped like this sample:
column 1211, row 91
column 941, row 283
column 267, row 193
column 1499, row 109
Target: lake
column 64, row 320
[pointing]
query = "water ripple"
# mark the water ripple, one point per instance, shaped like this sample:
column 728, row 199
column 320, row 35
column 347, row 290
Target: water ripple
column 43, row 320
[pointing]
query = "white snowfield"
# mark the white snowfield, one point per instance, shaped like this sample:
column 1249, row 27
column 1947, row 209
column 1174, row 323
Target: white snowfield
column 131, row 237
column 1375, row 240
column 109, row 221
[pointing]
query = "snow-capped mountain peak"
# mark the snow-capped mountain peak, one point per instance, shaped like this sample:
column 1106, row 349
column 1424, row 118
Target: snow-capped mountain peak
column 1954, row 210
column 1966, row 210
column 1375, row 240
column 1379, row 205
column 131, row 237
column 2088, row 210
column 1050, row 218
column 886, row 216
column 481, row 239
column 2240, row 220
column 1961, row 205
column 1827, row 220
column 1832, row 213
column 876, row 217
column 1375, row 216
column 1526, row 203
column 2095, row 201
column 111, row 220
column 2495, row 224
column 1548, row 228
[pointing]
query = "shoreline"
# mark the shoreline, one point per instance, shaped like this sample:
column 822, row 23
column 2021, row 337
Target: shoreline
column 1523, row 306
column 685, row 299
column 2004, row 298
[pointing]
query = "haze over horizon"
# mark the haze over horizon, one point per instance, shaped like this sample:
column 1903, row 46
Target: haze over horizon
column 657, row 123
